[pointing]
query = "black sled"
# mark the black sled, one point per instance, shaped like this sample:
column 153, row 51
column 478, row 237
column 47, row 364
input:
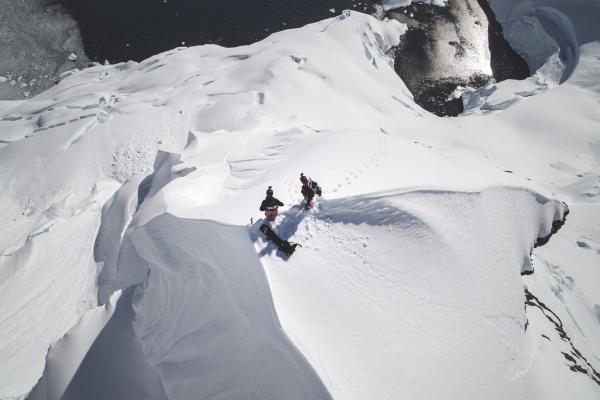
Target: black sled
column 285, row 246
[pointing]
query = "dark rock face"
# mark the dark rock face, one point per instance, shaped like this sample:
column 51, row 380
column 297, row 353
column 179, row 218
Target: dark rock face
column 36, row 40
column 574, row 359
column 505, row 62
column 452, row 46
column 443, row 42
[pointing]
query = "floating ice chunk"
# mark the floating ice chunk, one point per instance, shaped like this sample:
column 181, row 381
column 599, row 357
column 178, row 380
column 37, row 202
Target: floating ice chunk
column 476, row 98
column 551, row 72
column 68, row 73
column 391, row 4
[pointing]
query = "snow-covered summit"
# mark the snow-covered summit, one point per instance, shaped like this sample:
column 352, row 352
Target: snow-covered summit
column 138, row 180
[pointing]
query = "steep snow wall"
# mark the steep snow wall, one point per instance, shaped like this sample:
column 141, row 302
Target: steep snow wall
column 200, row 323
column 65, row 356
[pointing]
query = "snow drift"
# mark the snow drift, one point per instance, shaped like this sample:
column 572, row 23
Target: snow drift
column 199, row 319
column 201, row 324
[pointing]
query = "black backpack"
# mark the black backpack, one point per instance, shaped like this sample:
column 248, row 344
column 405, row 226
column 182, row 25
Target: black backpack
column 316, row 188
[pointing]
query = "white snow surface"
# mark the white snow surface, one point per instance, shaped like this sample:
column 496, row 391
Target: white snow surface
column 139, row 180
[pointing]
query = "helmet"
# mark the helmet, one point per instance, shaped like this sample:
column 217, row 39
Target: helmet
column 270, row 191
column 303, row 178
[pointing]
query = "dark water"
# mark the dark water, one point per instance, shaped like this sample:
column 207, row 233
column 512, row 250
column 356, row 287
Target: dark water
column 121, row 30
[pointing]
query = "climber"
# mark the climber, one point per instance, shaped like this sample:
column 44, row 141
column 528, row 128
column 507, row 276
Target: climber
column 270, row 204
column 309, row 189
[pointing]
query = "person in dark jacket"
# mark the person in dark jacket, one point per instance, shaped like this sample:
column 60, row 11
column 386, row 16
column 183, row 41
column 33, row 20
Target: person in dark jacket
column 270, row 204
column 309, row 189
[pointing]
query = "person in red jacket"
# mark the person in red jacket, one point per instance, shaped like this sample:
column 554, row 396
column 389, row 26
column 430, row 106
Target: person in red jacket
column 309, row 189
column 270, row 204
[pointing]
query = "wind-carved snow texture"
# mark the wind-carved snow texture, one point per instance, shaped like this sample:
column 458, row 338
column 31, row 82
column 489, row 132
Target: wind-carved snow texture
column 180, row 264
column 409, row 282
column 235, row 333
column 200, row 324
column 89, row 153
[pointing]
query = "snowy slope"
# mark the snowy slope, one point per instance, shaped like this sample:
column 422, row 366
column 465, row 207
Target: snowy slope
column 560, row 131
column 409, row 279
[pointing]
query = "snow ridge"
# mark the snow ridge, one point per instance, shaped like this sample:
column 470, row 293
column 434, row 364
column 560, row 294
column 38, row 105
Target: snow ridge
column 409, row 282
column 173, row 266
